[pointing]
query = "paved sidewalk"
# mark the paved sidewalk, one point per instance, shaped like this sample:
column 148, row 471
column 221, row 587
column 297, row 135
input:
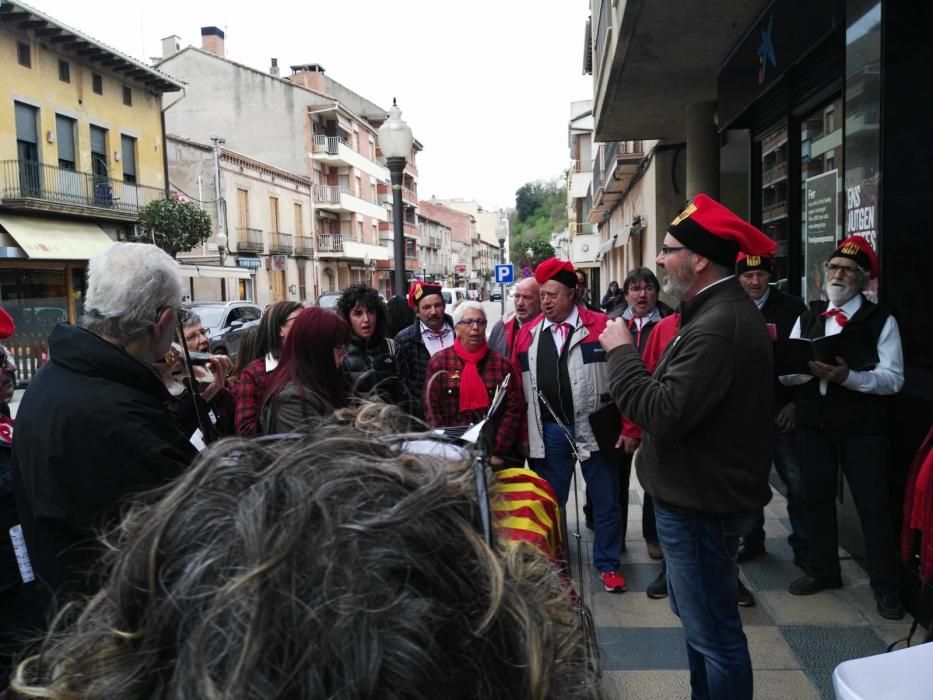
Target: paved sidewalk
column 795, row 641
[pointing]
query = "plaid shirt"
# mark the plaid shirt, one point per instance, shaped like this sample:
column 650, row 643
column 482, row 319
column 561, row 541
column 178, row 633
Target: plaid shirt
column 248, row 391
column 442, row 396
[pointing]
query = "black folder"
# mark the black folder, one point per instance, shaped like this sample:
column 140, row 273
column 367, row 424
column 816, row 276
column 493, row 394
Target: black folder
column 857, row 347
column 607, row 426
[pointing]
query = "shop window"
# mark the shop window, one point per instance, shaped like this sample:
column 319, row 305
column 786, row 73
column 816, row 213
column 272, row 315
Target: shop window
column 774, row 152
column 23, row 55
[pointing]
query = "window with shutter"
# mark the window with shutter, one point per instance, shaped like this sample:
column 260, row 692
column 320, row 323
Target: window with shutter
column 65, row 136
column 128, row 144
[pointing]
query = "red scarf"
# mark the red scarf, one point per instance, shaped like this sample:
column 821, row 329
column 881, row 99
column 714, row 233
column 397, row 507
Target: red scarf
column 473, row 394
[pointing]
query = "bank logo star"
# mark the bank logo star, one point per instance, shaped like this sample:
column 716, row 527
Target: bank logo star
column 766, row 52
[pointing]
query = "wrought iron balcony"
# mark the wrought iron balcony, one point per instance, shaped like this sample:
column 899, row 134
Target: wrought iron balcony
column 26, row 183
column 249, row 240
column 280, row 243
column 304, row 247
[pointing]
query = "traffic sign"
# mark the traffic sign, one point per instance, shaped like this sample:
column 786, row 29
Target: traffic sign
column 504, row 274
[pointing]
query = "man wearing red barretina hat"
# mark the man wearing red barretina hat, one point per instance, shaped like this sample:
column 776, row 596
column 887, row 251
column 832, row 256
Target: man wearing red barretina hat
column 563, row 371
column 706, row 419
column 842, row 422
column 432, row 331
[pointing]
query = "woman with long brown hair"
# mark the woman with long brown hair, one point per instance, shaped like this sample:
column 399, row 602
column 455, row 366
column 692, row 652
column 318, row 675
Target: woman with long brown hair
column 308, row 381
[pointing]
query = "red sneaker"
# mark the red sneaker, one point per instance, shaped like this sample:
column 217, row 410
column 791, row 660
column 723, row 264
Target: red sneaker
column 612, row 581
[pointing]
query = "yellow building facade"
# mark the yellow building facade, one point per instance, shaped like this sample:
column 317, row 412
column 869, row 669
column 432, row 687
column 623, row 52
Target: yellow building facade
column 82, row 151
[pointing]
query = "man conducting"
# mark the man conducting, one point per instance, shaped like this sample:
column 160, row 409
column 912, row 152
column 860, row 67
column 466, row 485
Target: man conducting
column 527, row 308
column 92, row 429
column 706, row 447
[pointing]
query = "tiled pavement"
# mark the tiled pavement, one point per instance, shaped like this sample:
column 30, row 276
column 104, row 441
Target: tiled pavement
column 795, row 642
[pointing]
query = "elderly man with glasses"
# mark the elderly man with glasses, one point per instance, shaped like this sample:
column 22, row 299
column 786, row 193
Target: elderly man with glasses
column 92, row 429
column 462, row 381
column 842, row 423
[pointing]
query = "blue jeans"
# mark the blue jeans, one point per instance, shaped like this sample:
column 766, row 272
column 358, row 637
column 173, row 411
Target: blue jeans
column 699, row 550
column 602, row 482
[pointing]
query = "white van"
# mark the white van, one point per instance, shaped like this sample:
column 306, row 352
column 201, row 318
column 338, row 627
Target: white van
column 452, row 298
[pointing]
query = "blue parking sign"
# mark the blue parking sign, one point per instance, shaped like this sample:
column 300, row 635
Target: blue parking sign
column 504, row 274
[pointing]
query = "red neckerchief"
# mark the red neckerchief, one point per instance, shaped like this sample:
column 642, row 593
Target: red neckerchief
column 473, row 394
column 6, row 430
column 838, row 314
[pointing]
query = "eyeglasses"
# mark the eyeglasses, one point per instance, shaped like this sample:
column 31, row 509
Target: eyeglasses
column 475, row 322
column 670, row 249
column 639, row 290
column 191, row 336
column 832, row 269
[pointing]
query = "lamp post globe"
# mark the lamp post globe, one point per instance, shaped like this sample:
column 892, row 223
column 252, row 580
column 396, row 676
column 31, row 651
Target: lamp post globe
column 395, row 142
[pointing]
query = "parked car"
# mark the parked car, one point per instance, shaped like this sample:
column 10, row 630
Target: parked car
column 328, row 300
column 496, row 293
column 452, row 298
column 225, row 322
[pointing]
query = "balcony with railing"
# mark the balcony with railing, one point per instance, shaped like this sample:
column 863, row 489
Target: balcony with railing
column 328, row 144
column 580, row 229
column 330, row 242
column 304, row 247
column 336, row 198
column 280, row 243
column 26, row 184
column 336, row 151
column 249, row 240
column 409, row 196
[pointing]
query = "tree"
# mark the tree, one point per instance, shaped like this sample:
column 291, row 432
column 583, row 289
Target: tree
column 174, row 225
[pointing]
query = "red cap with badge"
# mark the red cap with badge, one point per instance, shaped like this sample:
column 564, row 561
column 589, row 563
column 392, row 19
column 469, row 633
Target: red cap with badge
column 7, row 327
column 708, row 228
column 419, row 290
column 857, row 248
column 559, row 270
column 747, row 263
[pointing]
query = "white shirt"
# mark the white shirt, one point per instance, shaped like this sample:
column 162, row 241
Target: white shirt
column 763, row 299
column 888, row 375
column 573, row 318
column 435, row 344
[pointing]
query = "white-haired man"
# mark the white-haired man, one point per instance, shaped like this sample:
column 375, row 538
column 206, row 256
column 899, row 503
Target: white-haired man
column 92, row 428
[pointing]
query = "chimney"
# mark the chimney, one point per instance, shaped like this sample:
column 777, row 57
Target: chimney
column 309, row 75
column 171, row 45
column 274, row 69
column 212, row 40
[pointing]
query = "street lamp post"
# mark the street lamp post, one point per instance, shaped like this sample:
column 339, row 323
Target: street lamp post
column 502, row 262
column 395, row 141
column 222, row 252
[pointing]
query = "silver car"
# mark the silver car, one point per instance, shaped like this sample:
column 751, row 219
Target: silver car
column 225, row 322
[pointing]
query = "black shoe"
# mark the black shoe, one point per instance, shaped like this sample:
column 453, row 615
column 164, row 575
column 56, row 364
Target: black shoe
column 889, row 606
column 657, row 589
column 808, row 585
column 748, row 551
column 746, row 599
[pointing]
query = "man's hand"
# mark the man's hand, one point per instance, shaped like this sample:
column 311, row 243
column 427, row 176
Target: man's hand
column 786, row 418
column 615, row 334
column 219, row 365
column 630, row 444
column 836, row 373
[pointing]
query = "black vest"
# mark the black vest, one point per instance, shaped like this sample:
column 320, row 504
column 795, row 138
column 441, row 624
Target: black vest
column 554, row 385
column 842, row 409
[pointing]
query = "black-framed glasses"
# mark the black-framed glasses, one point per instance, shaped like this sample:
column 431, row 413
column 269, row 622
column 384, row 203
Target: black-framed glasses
column 638, row 290
column 833, row 268
column 475, row 322
column 670, row 249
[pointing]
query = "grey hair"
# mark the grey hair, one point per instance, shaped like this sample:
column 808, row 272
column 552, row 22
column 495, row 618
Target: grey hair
column 338, row 566
column 467, row 306
column 128, row 284
column 191, row 319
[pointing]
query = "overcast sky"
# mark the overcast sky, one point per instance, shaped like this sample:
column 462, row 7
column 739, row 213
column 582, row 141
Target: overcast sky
column 486, row 85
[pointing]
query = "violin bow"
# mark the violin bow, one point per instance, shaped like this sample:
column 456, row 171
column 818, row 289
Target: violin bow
column 203, row 422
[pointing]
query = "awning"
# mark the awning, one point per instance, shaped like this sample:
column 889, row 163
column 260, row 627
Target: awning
column 54, row 239
column 215, row 271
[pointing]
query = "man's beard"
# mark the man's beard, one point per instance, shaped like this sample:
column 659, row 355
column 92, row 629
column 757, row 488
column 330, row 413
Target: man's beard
column 676, row 284
column 840, row 292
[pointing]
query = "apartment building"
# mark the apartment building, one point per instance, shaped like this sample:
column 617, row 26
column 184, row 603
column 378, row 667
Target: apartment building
column 582, row 238
column 434, row 250
column 460, row 271
column 802, row 118
column 81, row 153
column 485, row 250
column 305, row 124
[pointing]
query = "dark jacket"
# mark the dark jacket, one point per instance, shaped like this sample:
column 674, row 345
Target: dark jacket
column 370, row 367
column 782, row 310
column 502, row 337
column 91, row 431
column 289, row 410
column 706, row 412
column 843, row 409
column 413, row 357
